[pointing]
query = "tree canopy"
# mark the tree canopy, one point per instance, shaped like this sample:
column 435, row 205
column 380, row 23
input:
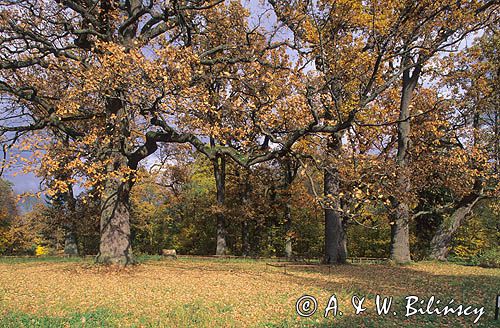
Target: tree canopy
column 381, row 98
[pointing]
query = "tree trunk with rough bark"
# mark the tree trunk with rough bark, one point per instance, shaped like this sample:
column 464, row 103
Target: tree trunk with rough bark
column 115, row 244
column 335, row 234
column 440, row 244
column 441, row 241
column 400, row 234
column 400, row 216
column 246, row 189
column 335, row 241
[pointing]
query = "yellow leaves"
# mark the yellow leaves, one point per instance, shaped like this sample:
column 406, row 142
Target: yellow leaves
column 57, row 187
column 358, row 193
column 311, row 32
column 41, row 250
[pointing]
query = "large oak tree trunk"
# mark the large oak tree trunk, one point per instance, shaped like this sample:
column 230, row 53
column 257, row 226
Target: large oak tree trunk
column 246, row 189
column 335, row 239
column 400, row 216
column 441, row 242
column 115, row 245
column 335, row 234
column 220, row 183
column 400, row 234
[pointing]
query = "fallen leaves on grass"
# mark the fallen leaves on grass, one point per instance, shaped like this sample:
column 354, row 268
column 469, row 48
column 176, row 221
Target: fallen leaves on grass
column 201, row 293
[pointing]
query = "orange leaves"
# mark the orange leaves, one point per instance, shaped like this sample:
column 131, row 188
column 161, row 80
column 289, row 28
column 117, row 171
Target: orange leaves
column 225, row 74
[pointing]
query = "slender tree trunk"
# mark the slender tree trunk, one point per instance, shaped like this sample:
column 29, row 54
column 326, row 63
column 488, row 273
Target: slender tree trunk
column 335, row 235
column 70, row 235
column 220, row 183
column 255, row 237
column 67, row 205
column 496, row 140
column 290, row 172
column 288, row 229
column 400, row 217
column 245, row 239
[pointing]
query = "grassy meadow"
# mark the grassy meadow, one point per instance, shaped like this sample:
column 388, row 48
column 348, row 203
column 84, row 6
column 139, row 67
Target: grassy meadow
column 189, row 292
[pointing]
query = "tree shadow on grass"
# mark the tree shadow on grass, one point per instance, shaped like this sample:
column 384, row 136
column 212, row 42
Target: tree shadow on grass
column 478, row 289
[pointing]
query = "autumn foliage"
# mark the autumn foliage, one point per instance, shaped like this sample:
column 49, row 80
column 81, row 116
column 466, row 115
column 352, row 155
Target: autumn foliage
column 228, row 127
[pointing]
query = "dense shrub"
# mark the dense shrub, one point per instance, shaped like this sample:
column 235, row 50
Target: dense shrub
column 489, row 258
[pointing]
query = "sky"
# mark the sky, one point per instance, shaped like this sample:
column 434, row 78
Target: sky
column 23, row 182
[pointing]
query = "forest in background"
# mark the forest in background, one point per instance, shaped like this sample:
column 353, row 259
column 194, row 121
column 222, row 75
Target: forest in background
column 174, row 209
